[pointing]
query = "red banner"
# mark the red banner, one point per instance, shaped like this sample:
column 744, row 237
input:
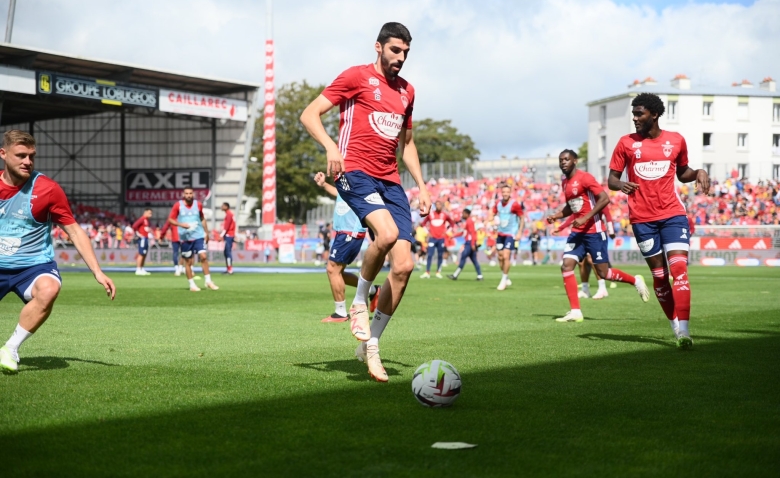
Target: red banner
column 284, row 234
column 258, row 245
column 734, row 243
column 269, row 139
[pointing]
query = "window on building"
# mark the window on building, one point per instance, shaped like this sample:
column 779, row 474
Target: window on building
column 706, row 141
column 776, row 172
column 742, row 112
column 742, row 141
column 603, row 173
column 603, row 116
column 602, row 147
column 671, row 111
column 776, row 144
column 708, row 168
column 707, row 109
column 742, row 169
column 776, row 112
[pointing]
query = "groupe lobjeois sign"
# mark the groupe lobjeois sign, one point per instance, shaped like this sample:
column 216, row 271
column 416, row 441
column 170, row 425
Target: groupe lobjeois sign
column 107, row 92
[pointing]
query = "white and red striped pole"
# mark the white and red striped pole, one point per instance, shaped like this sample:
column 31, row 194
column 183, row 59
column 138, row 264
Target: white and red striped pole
column 269, row 132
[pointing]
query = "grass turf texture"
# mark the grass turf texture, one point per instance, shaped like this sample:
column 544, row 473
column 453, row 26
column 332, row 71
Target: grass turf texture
column 246, row 381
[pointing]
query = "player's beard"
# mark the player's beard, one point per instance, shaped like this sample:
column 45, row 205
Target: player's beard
column 17, row 175
column 387, row 68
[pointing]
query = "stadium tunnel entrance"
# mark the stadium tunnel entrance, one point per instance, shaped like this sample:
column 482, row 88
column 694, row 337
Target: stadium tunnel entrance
column 122, row 138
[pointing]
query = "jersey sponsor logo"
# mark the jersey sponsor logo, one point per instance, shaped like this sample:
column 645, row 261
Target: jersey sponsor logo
column 373, row 81
column 19, row 214
column 374, row 198
column 637, row 144
column 9, row 245
column 668, row 147
column 378, row 94
column 576, row 204
column 652, row 170
column 646, row 246
column 638, row 153
column 386, row 125
column 342, row 208
column 437, row 222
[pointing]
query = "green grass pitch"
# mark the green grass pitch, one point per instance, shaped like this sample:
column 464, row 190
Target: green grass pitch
column 246, row 381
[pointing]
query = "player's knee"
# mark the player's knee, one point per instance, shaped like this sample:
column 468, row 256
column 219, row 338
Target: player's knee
column 403, row 267
column 46, row 291
column 386, row 239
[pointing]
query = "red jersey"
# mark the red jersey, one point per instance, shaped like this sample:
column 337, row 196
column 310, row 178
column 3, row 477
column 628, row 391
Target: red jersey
column 437, row 224
column 373, row 111
column 470, row 233
column 652, row 164
column 141, row 227
column 229, row 224
column 48, row 200
column 580, row 192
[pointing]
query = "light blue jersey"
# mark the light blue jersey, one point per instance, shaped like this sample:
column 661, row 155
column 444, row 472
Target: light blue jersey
column 345, row 219
column 24, row 242
column 190, row 215
column 508, row 221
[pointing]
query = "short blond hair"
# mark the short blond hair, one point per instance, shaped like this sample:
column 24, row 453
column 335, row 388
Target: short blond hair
column 17, row 136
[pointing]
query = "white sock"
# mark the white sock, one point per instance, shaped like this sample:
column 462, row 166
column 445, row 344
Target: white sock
column 602, row 284
column 504, row 277
column 192, row 282
column 341, row 308
column 362, row 291
column 379, row 323
column 207, row 278
column 17, row 338
column 575, row 311
column 139, row 269
column 675, row 323
column 586, row 287
column 684, row 327
column 457, row 272
column 373, row 341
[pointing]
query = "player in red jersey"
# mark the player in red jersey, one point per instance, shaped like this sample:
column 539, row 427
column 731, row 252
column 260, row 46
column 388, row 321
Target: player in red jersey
column 144, row 234
column 585, row 199
column 178, row 263
column 436, row 222
column 376, row 120
column 510, row 231
column 470, row 248
column 29, row 204
column 652, row 158
column 228, row 234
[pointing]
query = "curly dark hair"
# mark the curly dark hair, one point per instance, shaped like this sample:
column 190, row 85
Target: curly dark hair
column 650, row 102
column 570, row 152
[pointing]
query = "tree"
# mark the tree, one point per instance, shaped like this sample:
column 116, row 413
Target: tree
column 439, row 141
column 583, row 154
column 298, row 156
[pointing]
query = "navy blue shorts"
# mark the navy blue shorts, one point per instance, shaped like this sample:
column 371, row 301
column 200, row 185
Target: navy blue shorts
column 143, row 246
column 365, row 194
column 505, row 243
column 580, row 243
column 189, row 248
column 345, row 249
column 666, row 235
column 21, row 281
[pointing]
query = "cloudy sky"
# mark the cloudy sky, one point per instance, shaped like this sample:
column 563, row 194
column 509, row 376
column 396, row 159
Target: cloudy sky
column 513, row 75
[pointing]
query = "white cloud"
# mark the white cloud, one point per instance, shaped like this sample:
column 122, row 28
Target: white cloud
column 513, row 75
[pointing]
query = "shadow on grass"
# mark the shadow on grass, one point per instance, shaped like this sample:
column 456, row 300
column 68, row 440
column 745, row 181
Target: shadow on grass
column 36, row 364
column 353, row 369
column 646, row 413
column 627, row 338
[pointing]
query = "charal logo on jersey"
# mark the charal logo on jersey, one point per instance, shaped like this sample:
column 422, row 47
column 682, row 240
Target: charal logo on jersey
column 652, row 170
column 668, row 147
column 387, row 125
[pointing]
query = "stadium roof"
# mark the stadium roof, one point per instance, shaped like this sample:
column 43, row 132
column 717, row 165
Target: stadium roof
column 693, row 90
column 22, row 108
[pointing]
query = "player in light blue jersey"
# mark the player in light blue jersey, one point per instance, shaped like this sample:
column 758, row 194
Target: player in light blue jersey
column 509, row 213
column 29, row 204
column 187, row 215
column 345, row 249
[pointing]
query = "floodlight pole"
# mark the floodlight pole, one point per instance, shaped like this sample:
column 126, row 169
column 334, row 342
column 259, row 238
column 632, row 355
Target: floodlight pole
column 9, row 25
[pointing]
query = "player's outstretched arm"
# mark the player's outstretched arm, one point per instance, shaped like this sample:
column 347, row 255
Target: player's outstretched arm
column 412, row 161
column 687, row 175
column 79, row 239
column 319, row 178
column 312, row 121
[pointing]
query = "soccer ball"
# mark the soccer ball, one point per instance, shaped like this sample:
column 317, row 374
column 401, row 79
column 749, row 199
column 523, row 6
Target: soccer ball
column 316, row 262
column 436, row 384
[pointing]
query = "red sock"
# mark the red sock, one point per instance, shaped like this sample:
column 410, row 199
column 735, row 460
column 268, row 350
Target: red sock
column 663, row 291
column 616, row 275
column 570, row 283
column 681, row 288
